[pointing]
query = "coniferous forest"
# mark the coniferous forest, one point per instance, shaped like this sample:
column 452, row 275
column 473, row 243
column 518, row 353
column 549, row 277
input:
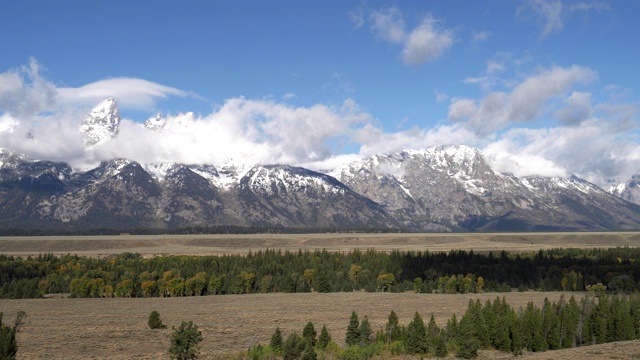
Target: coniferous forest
column 492, row 326
column 130, row 275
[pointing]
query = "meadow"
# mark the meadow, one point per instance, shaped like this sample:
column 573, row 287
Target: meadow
column 58, row 327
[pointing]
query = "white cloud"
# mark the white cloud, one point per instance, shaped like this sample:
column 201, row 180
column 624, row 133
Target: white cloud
column 389, row 25
column 577, row 108
column 548, row 13
column 426, row 42
column 524, row 103
column 129, row 92
column 24, row 92
column 551, row 14
column 267, row 131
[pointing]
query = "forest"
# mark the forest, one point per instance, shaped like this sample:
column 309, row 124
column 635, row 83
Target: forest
column 492, row 326
column 613, row 270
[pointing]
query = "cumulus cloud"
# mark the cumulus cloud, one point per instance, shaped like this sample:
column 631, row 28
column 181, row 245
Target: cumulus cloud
column 24, row 92
column 526, row 101
column 585, row 151
column 271, row 131
column 426, row 42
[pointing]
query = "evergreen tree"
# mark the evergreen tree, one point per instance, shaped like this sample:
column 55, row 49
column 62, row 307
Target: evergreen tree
column 452, row 328
column 365, row 332
column 8, row 341
column 293, row 347
column 433, row 333
column 551, row 324
column 517, row 336
column 309, row 353
column 154, row 321
column 392, row 328
column 440, row 348
column 468, row 342
column 353, row 333
column 185, row 341
column 309, row 334
column 324, row 338
column 416, row 341
column 276, row 342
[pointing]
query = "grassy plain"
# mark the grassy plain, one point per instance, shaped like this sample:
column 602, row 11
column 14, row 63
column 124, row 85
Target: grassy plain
column 151, row 245
column 64, row 328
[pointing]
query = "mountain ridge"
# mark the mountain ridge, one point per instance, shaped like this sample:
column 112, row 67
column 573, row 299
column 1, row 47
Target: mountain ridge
column 446, row 188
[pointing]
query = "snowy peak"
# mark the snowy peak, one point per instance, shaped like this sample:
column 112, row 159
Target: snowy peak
column 629, row 190
column 155, row 123
column 284, row 179
column 102, row 123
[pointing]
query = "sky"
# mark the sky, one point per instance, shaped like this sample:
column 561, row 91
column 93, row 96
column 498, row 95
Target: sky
column 542, row 87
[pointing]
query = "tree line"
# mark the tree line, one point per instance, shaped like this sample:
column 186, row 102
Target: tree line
column 492, row 326
column 129, row 275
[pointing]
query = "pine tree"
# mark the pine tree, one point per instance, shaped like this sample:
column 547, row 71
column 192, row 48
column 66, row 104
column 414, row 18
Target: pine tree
column 276, row 342
column 440, row 348
column 433, row 332
column 309, row 334
column 517, row 339
column 324, row 338
column 353, row 333
column 8, row 341
column 365, row 332
column 293, row 347
column 309, row 353
column 468, row 342
column 392, row 328
column 185, row 341
column 416, row 342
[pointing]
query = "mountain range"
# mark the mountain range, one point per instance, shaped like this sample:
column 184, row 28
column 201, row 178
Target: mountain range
column 450, row 188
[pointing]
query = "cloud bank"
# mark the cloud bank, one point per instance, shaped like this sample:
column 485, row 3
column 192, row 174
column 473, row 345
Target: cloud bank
column 545, row 122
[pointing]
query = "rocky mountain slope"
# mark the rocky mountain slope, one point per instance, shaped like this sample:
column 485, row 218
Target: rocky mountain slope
column 439, row 189
column 454, row 188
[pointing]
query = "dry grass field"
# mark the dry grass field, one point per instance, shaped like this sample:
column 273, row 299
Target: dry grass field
column 64, row 328
column 151, row 245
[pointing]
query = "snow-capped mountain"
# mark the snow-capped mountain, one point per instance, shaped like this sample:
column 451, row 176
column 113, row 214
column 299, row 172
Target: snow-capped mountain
column 102, row 123
column 629, row 190
column 450, row 188
column 454, row 188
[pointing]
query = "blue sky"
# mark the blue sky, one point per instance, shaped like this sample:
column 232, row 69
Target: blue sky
column 541, row 86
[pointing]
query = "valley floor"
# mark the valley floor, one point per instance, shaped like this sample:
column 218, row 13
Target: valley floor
column 64, row 328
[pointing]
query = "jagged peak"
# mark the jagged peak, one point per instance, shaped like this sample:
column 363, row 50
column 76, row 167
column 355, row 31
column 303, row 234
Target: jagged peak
column 155, row 123
column 102, row 123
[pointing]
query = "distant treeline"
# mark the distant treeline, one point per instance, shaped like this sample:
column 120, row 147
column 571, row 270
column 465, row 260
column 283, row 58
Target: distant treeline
column 191, row 230
column 129, row 275
column 492, row 325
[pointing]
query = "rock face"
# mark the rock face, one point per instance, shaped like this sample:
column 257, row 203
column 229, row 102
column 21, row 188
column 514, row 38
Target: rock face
column 102, row 123
column 439, row 189
column 454, row 188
